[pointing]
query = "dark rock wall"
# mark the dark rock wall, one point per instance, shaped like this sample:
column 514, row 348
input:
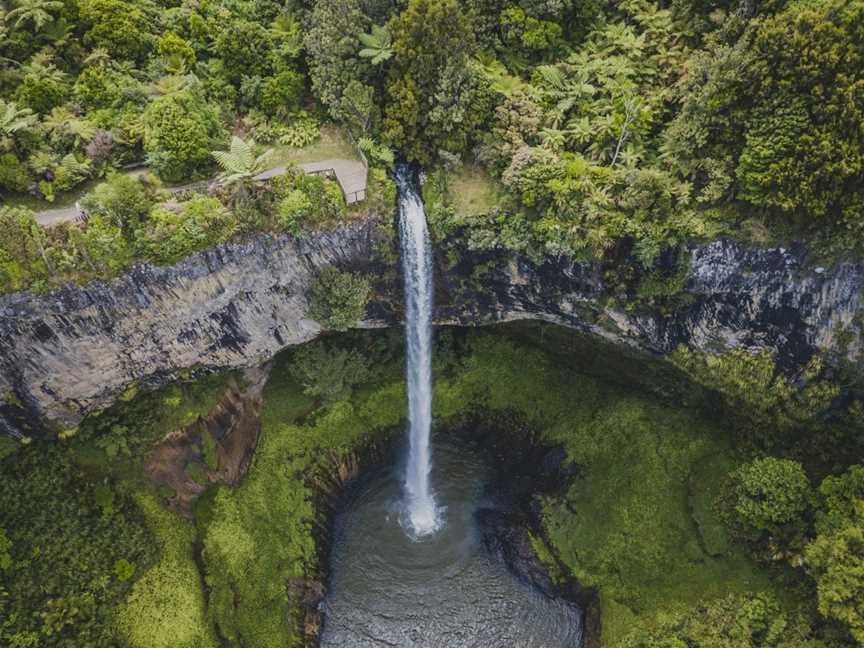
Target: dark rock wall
column 73, row 351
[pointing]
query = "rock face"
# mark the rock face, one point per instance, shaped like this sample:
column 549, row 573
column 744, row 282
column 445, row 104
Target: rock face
column 73, row 351
column 734, row 297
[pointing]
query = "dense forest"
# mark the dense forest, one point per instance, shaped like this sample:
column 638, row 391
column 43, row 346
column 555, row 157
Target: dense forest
column 609, row 130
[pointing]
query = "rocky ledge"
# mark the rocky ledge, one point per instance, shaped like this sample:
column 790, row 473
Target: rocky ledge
column 75, row 350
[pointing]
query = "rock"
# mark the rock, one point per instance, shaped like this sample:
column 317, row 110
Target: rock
column 736, row 297
column 508, row 540
column 75, row 350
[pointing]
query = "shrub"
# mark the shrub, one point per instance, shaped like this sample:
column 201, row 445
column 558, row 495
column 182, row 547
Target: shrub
column 337, row 300
column 122, row 200
column 771, row 493
column 836, row 560
column 22, row 249
column 180, row 131
column 329, row 373
column 177, row 54
column 281, row 94
column 121, row 28
column 168, row 235
column 63, row 587
column 293, row 210
column 13, row 173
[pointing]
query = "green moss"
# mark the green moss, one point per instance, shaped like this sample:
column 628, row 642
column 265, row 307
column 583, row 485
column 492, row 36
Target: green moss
column 8, row 446
column 638, row 524
column 630, row 525
column 129, row 393
column 11, row 398
column 544, row 555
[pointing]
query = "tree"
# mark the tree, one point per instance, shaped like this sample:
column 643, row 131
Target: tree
column 332, row 43
column 377, row 46
column 23, row 256
column 121, row 28
column 754, row 620
column 836, row 560
column 122, row 200
column 66, row 129
column 429, row 81
column 103, row 246
column 282, row 93
column 328, row 372
column 771, row 493
column 13, row 120
column 169, row 235
column 244, row 47
column 240, row 165
column 36, row 12
column 179, row 130
column 43, row 86
column 774, row 117
column 176, row 53
column 13, row 173
column 337, row 300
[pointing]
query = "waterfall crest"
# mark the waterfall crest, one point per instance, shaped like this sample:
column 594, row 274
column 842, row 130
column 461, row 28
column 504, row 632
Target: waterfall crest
column 422, row 513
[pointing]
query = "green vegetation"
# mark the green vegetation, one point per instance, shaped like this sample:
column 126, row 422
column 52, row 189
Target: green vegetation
column 259, row 553
column 771, row 493
column 88, row 553
column 337, row 300
column 608, row 129
column 165, row 607
column 130, row 220
column 688, row 540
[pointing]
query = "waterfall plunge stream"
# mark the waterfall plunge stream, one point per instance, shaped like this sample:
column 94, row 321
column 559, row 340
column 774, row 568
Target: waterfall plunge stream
column 423, row 517
column 399, row 575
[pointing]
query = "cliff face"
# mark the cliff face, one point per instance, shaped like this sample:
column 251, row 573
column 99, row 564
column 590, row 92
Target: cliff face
column 734, row 297
column 75, row 350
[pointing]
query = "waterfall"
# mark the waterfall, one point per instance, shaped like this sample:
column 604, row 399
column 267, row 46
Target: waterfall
column 422, row 514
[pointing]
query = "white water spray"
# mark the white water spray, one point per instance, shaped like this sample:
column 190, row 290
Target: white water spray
column 423, row 515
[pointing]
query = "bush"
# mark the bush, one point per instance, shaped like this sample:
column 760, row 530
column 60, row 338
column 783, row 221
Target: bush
column 22, row 249
column 337, row 300
column 293, row 210
column 752, row 620
column 121, row 28
column 122, row 200
column 168, row 235
column 836, row 560
column 281, row 94
column 63, row 586
column 307, row 201
column 177, row 54
column 771, row 493
column 329, row 373
column 13, row 173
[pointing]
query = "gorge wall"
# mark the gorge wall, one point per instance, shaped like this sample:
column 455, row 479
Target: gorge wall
column 74, row 351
